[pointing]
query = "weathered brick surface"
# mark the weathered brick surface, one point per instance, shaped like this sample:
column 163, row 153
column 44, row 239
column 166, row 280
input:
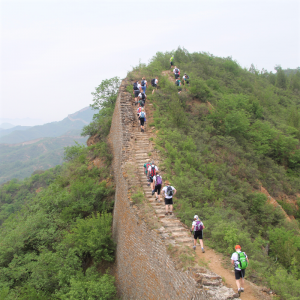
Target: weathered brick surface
column 143, row 268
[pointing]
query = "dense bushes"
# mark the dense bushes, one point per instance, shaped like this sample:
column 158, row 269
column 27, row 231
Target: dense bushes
column 219, row 154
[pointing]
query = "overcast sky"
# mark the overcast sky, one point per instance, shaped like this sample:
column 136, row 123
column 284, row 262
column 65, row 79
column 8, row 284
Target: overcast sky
column 54, row 53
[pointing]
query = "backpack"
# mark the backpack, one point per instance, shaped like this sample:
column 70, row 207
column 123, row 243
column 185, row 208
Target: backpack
column 153, row 171
column 135, row 86
column 142, row 114
column 143, row 96
column 198, row 226
column 169, row 191
column 177, row 82
column 158, row 180
column 176, row 71
column 143, row 82
column 153, row 81
column 242, row 261
column 187, row 77
column 147, row 166
column 139, row 109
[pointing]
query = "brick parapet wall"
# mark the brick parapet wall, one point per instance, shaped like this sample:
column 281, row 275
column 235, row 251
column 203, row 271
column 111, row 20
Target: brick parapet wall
column 143, row 268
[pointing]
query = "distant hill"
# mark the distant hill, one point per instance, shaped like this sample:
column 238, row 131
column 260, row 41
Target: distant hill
column 73, row 122
column 6, row 126
column 21, row 160
column 5, row 132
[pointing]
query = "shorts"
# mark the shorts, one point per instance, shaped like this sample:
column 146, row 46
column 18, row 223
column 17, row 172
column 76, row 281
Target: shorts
column 179, row 89
column 151, row 179
column 239, row 274
column 136, row 93
column 154, row 85
column 171, row 63
column 142, row 121
column 169, row 201
column 157, row 189
column 198, row 234
column 176, row 76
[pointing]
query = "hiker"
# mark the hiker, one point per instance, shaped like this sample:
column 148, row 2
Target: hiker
column 142, row 116
column 176, row 72
column 240, row 261
column 139, row 111
column 151, row 173
column 146, row 167
column 154, row 83
column 157, row 183
column 168, row 192
column 142, row 98
column 136, row 91
column 144, row 84
column 186, row 79
column 197, row 227
column 178, row 84
column 171, row 61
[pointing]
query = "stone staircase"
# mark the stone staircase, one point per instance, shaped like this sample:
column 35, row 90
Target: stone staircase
column 171, row 231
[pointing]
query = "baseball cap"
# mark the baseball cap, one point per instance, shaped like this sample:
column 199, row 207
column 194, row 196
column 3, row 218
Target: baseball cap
column 196, row 217
column 237, row 246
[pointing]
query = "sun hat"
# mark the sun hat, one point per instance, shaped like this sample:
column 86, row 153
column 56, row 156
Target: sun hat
column 167, row 182
column 237, row 247
column 196, row 217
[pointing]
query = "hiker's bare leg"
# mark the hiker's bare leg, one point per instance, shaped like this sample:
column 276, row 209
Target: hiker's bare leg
column 195, row 242
column 238, row 284
column 242, row 282
column 201, row 243
column 155, row 195
column 167, row 208
column 171, row 208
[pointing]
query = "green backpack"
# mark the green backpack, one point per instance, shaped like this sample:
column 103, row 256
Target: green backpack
column 243, row 264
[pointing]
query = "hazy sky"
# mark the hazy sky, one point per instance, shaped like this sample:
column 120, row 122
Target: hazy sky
column 54, row 53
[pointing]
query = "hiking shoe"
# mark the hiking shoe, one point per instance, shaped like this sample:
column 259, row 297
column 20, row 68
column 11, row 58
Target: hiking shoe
column 239, row 291
column 194, row 247
column 242, row 290
column 166, row 213
column 170, row 213
column 153, row 193
column 203, row 251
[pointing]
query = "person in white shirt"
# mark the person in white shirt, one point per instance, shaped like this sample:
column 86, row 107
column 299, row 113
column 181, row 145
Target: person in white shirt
column 136, row 91
column 152, row 172
column 239, row 273
column 155, row 84
column 144, row 84
column 197, row 227
column 176, row 72
column 142, row 117
column 168, row 192
column 157, row 179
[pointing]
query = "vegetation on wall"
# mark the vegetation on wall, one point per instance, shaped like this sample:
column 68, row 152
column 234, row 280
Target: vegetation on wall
column 226, row 135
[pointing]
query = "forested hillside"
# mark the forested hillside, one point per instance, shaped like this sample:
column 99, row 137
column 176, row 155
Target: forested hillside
column 227, row 137
column 55, row 227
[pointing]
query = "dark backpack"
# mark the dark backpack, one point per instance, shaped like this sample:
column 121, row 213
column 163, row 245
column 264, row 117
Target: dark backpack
column 143, row 82
column 158, row 180
column 153, row 171
column 187, row 77
column 198, row 226
column 153, row 81
column 143, row 96
column 169, row 191
column 176, row 71
column 135, row 86
column 177, row 82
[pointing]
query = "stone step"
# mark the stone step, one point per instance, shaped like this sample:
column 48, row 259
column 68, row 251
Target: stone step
column 185, row 240
column 175, row 229
column 180, row 233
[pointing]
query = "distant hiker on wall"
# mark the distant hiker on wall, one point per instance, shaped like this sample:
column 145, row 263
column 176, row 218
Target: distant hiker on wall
column 151, row 173
column 197, row 228
column 178, row 84
column 144, row 84
column 136, row 91
column 240, row 262
column 171, row 62
column 142, row 98
column 154, row 83
column 176, row 72
column 186, row 79
column 168, row 192
column 157, row 183
column 142, row 116
column 146, row 167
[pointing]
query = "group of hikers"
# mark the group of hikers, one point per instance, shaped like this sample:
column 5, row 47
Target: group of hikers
column 239, row 259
